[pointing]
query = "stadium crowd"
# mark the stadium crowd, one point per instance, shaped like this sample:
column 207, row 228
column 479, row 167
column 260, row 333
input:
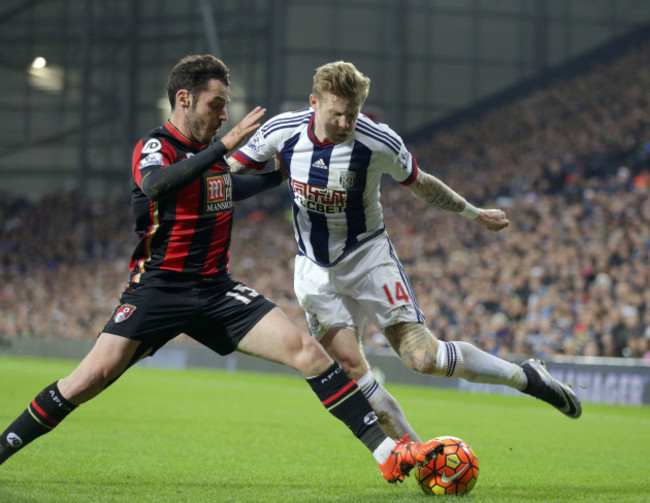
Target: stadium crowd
column 569, row 163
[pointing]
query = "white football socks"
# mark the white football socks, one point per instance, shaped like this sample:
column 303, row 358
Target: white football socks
column 382, row 452
column 389, row 412
column 461, row 359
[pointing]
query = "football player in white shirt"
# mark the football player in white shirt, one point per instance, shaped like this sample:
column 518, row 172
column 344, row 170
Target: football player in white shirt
column 347, row 271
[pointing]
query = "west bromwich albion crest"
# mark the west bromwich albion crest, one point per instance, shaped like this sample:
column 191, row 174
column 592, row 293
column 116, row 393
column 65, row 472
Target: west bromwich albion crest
column 347, row 180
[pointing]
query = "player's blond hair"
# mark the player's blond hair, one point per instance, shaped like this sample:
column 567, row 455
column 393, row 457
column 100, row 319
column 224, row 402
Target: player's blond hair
column 342, row 79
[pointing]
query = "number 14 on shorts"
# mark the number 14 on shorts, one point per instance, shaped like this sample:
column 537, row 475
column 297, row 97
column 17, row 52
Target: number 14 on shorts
column 398, row 292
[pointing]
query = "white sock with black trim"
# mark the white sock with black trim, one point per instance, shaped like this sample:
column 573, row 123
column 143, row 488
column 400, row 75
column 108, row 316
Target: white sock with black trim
column 462, row 359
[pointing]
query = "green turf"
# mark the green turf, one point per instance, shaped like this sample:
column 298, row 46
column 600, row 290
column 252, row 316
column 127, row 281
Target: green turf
column 207, row 436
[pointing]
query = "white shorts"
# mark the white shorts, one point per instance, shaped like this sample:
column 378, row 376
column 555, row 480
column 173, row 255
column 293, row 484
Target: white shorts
column 370, row 284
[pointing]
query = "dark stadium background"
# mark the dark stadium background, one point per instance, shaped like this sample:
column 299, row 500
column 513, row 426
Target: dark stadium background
column 540, row 107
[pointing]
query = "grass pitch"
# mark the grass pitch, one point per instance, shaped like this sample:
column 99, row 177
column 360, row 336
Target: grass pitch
column 212, row 436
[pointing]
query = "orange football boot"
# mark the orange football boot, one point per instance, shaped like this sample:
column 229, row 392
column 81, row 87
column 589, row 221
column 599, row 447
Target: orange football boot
column 406, row 455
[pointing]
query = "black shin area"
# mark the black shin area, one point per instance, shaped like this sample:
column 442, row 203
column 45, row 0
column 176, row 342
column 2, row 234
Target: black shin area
column 343, row 399
column 42, row 415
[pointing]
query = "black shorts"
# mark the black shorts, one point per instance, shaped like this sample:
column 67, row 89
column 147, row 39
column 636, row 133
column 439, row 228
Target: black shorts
column 218, row 313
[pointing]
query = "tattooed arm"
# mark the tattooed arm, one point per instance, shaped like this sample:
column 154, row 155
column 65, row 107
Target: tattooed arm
column 429, row 189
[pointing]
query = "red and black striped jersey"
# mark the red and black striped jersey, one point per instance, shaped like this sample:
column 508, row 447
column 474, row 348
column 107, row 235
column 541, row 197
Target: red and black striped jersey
column 189, row 230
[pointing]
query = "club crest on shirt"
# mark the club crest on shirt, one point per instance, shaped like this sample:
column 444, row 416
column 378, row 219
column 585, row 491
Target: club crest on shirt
column 218, row 193
column 123, row 312
column 347, row 180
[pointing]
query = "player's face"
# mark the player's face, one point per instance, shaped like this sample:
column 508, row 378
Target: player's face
column 208, row 112
column 335, row 117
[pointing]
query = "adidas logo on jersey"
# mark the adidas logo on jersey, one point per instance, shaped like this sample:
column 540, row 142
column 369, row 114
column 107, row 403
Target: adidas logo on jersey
column 319, row 164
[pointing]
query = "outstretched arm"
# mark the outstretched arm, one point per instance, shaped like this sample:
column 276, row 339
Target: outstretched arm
column 429, row 189
column 244, row 186
column 159, row 183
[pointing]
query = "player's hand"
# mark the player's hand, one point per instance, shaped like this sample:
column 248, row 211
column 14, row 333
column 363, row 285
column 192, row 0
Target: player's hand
column 495, row 220
column 245, row 127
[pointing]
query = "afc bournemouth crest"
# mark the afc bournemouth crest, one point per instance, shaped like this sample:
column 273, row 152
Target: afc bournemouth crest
column 347, row 180
column 123, row 312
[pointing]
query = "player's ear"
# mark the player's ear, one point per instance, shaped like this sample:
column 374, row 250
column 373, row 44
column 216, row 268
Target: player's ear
column 312, row 101
column 183, row 98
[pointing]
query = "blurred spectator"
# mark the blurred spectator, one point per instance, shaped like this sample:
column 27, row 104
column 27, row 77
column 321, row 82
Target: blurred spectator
column 569, row 163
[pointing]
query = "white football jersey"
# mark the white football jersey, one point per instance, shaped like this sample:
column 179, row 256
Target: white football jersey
column 334, row 187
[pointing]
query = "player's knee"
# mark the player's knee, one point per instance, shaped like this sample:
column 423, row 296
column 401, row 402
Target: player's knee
column 422, row 361
column 311, row 358
column 352, row 366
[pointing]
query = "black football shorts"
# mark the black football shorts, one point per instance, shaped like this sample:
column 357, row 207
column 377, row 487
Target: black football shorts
column 218, row 313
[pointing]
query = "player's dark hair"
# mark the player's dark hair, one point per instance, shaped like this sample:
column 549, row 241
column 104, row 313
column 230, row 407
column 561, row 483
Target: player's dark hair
column 193, row 73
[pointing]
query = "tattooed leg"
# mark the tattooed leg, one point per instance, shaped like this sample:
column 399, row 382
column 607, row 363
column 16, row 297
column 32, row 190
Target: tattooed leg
column 422, row 352
column 415, row 345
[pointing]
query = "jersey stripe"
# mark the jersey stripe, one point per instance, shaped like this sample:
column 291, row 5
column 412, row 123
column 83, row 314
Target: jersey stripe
column 215, row 260
column 287, row 153
column 355, row 211
column 181, row 237
column 283, row 123
column 319, row 176
column 388, row 134
column 380, row 136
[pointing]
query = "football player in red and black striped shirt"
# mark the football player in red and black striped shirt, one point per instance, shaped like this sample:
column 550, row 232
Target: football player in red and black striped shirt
column 179, row 281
